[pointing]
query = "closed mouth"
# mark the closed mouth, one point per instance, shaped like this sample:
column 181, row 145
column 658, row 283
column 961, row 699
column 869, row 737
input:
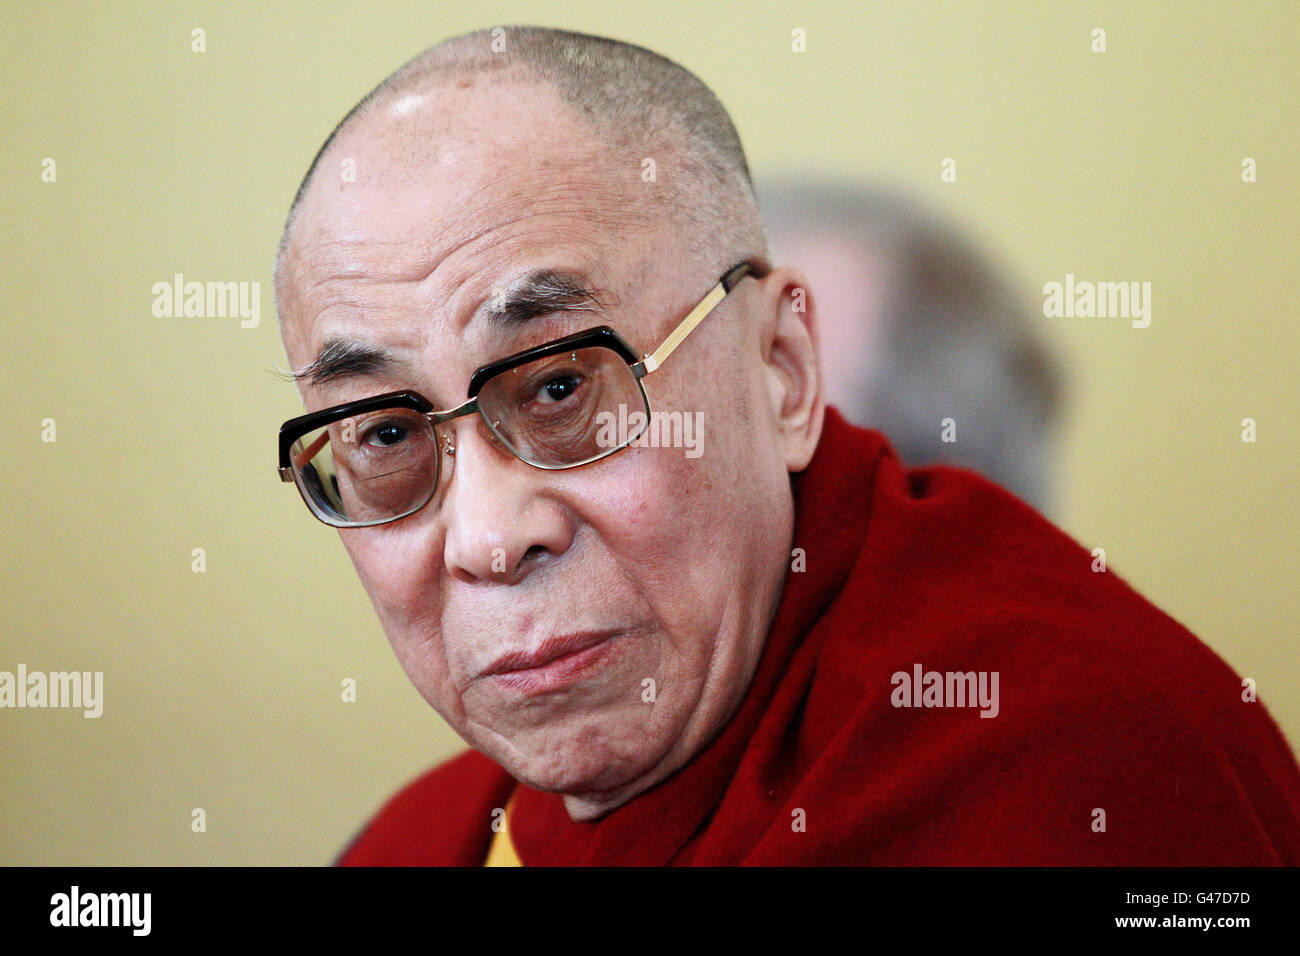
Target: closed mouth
column 548, row 652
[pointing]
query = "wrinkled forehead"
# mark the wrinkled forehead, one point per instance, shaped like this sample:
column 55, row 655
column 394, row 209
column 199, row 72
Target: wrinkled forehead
column 459, row 191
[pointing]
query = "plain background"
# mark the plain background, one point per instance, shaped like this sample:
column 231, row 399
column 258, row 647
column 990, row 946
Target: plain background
column 223, row 688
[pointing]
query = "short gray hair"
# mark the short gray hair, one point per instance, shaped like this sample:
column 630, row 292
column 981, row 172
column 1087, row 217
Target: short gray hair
column 640, row 104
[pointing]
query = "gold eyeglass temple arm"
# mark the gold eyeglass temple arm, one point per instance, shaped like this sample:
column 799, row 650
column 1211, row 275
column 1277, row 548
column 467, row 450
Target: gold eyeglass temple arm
column 687, row 325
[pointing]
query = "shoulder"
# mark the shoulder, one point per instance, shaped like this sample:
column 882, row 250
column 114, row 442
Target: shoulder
column 994, row 585
column 1103, row 711
column 957, row 546
column 442, row 818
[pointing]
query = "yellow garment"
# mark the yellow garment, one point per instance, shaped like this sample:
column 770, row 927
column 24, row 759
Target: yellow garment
column 501, row 852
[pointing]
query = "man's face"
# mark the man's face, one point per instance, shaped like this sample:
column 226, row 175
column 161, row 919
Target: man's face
column 657, row 573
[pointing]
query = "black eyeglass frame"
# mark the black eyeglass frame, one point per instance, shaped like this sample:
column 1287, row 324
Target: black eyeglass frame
column 598, row 337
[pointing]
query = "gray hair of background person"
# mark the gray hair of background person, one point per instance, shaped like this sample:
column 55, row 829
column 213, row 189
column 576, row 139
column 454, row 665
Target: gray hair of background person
column 957, row 338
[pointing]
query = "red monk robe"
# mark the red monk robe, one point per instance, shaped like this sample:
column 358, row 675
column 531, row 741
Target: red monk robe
column 1105, row 705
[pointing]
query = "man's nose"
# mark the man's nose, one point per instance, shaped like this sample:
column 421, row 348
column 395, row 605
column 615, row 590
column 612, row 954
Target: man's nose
column 501, row 522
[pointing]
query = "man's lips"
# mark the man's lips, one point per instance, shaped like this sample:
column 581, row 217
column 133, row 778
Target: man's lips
column 555, row 663
column 549, row 650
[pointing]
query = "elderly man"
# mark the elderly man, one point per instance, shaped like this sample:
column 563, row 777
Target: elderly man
column 514, row 273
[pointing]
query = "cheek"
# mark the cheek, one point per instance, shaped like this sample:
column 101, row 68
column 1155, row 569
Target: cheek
column 395, row 567
column 398, row 568
column 687, row 512
column 636, row 509
column 667, row 524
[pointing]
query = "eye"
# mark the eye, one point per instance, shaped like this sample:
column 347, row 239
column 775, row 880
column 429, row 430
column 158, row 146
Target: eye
column 387, row 435
column 557, row 389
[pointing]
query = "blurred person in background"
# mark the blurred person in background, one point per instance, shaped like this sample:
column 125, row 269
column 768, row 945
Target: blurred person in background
column 920, row 325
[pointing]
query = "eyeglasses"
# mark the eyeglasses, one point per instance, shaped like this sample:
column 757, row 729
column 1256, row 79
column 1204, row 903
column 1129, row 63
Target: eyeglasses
column 376, row 460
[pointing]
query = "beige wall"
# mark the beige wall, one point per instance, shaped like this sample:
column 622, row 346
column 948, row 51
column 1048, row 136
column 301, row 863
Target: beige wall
column 222, row 688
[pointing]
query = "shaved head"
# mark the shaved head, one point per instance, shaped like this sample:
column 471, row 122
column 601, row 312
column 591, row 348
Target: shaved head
column 662, row 134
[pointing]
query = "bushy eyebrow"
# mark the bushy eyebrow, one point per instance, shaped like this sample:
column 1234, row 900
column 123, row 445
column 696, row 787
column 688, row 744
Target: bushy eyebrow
column 542, row 292
column 340, row 358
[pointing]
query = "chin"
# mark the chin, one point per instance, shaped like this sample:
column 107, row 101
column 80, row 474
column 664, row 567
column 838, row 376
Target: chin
column 582, row 761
